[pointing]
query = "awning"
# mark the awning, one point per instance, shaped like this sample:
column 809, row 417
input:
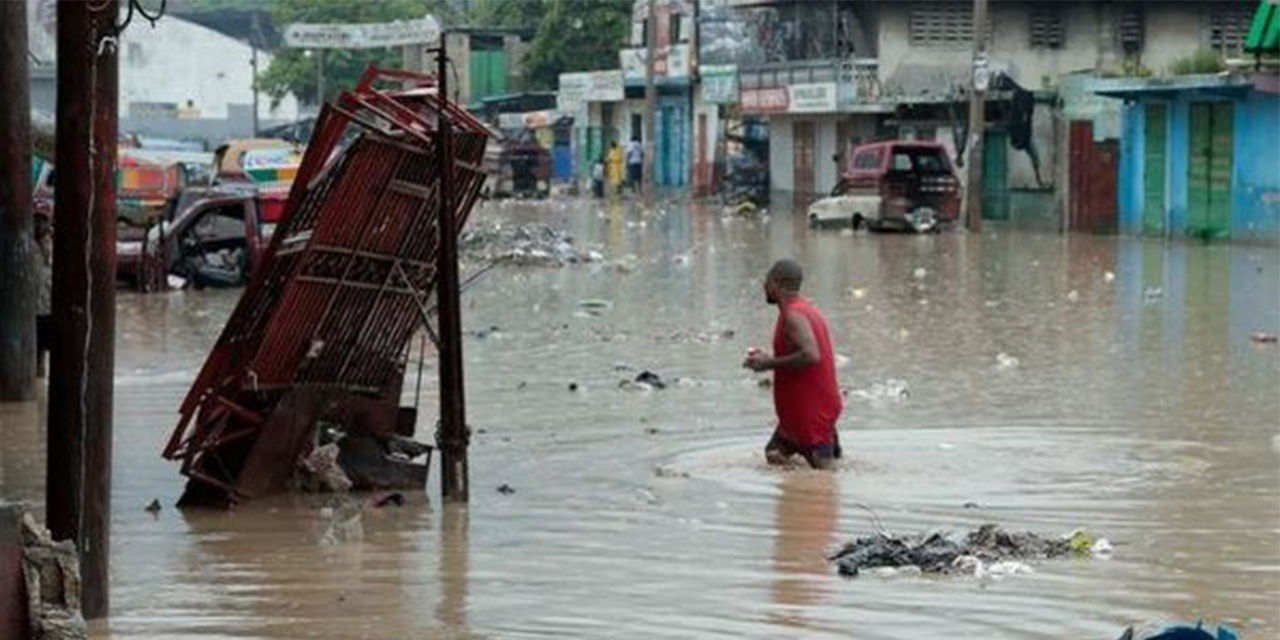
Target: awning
column 1264, row 33
column 1207, row 85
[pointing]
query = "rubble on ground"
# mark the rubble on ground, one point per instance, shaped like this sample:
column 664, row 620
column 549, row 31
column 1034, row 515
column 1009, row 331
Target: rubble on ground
column 50, row 572
column 531, row 245
column 988, row 551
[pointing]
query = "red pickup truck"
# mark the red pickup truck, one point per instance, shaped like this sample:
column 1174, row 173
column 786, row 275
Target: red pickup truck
column 216, row 239
column 899, row 184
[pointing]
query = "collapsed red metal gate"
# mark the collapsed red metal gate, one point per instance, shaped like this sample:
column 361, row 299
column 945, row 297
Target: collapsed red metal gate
column 322, row 332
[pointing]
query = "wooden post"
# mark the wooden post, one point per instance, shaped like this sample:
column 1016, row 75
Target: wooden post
column 977, row 118
column 650, row 101
column 78, row 481
column 453, row 434
column 17, row 245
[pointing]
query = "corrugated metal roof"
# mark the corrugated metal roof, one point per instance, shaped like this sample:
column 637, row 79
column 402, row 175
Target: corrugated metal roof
column 1264, row 33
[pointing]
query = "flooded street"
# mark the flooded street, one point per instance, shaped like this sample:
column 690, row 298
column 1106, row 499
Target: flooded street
column 1043, row 394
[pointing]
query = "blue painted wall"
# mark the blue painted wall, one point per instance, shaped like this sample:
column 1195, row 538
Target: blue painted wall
column 1179, row 159
column 1129, row 182
column 1255, row 179
column 671, row 146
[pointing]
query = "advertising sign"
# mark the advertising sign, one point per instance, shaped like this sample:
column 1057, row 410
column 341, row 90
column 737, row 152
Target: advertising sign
column 770, row 100
column 362, row 36
column 720, row 83
column 633, row 62
column 818, row 97
column 589, row 86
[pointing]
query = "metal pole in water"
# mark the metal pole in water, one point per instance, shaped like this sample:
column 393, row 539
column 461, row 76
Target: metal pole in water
column 83, row 348
column 453, row 436
column 17, row 244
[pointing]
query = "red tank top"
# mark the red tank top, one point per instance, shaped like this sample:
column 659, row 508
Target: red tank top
column 807, row 399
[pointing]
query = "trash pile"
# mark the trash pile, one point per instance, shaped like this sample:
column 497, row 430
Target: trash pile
column 989, row 551
column 530, row 245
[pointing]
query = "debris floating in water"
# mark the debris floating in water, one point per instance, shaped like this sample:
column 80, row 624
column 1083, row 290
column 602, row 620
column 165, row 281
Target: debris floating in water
column 890, row 389
column 1109, row 277
column 1006, row 361
column 522, row 245
column 920, row 273
column 1261, row 337
column 989, row 552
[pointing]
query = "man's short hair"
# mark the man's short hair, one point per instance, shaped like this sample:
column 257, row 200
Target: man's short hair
column 787, row 274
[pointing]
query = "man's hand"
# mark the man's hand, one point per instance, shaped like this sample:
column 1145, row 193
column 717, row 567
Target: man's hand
column 757, row 362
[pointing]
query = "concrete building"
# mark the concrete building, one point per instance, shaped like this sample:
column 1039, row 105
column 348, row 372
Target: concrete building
column 830, row 74
column 489, row 62
column 177, row 80
column 1197, row 155
column 686, row 127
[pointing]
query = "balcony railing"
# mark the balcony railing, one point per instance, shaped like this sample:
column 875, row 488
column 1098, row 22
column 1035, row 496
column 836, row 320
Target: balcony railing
column 858, row 79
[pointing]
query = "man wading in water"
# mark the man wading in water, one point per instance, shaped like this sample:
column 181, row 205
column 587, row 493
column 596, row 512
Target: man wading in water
column 806, row 394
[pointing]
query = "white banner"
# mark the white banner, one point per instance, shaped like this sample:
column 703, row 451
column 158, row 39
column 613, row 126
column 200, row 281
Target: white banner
column 818, row 97
column 589, row 86
column 362, row 36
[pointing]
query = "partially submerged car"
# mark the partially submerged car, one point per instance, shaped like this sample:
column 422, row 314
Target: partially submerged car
column 895, row 185
column 216, row 238
column 517, row 166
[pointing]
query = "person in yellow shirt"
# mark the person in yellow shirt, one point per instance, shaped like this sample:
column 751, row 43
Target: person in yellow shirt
column 613, row 162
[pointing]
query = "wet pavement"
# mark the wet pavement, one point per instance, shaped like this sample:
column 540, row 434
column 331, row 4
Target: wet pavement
column 1137, row 407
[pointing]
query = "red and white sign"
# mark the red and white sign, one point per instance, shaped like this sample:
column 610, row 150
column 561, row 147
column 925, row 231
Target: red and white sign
column 771, row 100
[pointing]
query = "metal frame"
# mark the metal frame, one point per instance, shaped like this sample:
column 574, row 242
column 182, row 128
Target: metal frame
column 346, row 282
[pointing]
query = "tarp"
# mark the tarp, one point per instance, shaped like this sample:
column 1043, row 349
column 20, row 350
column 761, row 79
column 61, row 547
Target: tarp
column 1264, row 32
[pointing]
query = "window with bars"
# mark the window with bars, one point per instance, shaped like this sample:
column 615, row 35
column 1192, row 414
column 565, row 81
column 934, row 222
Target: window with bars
column 1047, row 27
column 945, row 24
column 1227, row 27
column 1130, row 28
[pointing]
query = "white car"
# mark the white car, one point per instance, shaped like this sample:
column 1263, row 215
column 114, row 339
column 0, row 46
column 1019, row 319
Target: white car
column 863, row 211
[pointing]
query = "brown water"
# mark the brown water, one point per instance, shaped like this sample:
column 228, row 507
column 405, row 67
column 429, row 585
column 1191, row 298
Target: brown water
column 1148, row 418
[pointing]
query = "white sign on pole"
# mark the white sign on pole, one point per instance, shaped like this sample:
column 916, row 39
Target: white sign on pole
column 362, row 36
column 634, row 63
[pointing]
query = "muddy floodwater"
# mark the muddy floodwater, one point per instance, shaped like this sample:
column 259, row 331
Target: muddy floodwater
column 1050, row 383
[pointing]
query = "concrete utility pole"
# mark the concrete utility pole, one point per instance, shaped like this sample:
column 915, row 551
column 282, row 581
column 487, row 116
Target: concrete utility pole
column 650, row 99
column 78, row 483
column 254, row 40
column 17, row 245
column 453, row 435
column 979, row 75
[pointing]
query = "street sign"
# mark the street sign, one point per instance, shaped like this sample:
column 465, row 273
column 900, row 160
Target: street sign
column 362, row 36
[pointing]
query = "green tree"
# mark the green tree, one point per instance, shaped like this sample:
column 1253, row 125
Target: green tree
column 507, row 14
column 298, row 72
column 577, row 35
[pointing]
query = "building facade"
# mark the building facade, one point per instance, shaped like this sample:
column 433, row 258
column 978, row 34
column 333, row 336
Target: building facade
column 830, row 74
column 1197, row 155
column 178, row 79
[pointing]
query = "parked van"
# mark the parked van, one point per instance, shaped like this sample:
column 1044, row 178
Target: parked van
column 903, row 185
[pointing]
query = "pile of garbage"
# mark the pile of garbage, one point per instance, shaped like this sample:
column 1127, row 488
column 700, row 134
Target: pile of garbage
column 988, row 551
column 533, row 245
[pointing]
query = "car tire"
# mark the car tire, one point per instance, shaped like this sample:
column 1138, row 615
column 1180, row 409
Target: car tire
column 857, row 222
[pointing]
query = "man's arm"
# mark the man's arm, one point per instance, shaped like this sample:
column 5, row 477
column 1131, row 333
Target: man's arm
column 798, row 334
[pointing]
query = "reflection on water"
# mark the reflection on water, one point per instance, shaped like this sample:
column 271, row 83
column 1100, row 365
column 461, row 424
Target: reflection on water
column 1139, row 409
column 807, row 514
